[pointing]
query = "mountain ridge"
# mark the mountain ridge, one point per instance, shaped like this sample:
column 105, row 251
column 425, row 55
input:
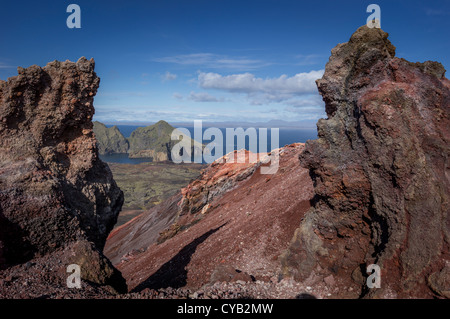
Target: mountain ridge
column 153, row 141
column 58, row 200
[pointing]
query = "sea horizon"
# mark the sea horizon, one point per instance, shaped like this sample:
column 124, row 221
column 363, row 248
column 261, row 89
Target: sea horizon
column 287, row 136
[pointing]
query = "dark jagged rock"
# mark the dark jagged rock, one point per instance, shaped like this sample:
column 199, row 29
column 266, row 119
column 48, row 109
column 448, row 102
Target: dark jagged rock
column 110, row 140
column 381, row 174
column 55, row 192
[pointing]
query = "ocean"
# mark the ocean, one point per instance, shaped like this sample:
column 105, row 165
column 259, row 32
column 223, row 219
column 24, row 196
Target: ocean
column 286, row 136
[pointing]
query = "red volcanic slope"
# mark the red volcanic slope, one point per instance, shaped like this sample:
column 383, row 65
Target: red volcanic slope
column 248, row 224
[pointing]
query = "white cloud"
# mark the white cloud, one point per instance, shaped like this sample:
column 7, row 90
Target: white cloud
column 306, row 113
column 436, row 12
column 198, row 97
column 297, row 91
column 301, row 83
column 122, row 94
column 308, row 59
column 306, row 101
column 178, row 96
column 203, row 97
column 168, row 76
column 148, row 114
column 210, row 60
column 5, row 66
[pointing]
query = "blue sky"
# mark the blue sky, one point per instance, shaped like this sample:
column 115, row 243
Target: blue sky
column 214, row 60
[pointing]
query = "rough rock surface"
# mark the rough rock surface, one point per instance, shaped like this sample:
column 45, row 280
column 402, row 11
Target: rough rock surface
column 180, row 211
column 239, row 289
column 218, row 229
column 109, row 139
column 381, row 174
column 55, row 192
column 215, row 180
column 45, row 277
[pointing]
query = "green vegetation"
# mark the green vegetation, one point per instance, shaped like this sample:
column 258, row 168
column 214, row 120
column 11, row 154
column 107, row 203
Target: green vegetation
column 109, row 140
column 152, row 142
column 148, row 184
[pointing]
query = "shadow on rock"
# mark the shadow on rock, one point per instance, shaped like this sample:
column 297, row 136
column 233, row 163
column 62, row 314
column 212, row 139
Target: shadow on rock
column 14, row 248
column 305, row 296
column 173, row 273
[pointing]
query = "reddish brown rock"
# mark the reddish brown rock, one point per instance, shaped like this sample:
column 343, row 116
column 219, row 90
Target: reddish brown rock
column 227, row 273
column 231, row 214
column 217, row 179
column 2, row 259
column 46, row 276
column 381, row 173
column 182, row 210
column 55, row 192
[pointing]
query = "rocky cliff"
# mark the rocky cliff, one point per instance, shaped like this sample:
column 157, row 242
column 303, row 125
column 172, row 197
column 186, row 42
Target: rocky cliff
column 152, row 141
column 109, row 139
column 381, row 175
column 58, row 200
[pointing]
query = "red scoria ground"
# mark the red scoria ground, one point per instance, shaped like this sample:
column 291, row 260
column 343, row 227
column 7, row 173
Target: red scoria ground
column 247, row 228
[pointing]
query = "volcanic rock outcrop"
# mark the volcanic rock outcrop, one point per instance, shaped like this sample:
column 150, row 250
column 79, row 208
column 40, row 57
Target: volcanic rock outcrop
column 58, row 200
column 381, row 175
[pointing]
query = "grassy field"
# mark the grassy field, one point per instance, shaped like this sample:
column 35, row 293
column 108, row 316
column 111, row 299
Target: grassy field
column 148, row 184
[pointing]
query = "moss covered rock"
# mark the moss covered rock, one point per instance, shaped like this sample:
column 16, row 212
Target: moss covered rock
column 155, row 142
